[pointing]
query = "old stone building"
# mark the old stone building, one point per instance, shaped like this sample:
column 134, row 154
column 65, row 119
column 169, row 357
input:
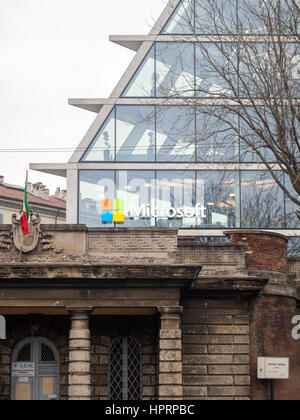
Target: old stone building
column 52, row 209
column 143, row 314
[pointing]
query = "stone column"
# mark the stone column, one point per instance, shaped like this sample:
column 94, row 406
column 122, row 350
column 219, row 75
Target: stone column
column 170, row 354
column 79, row 356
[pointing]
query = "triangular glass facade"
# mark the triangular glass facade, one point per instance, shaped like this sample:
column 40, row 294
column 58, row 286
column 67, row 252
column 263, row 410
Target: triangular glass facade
column 208, row 17
column 202, row 17
column 163, row 152
column 182, row 20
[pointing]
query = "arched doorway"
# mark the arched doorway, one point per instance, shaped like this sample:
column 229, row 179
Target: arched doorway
column 125, row 370
column 35, row 370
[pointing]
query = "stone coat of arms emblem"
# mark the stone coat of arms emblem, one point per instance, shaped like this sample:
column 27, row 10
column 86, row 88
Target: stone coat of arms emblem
column 27, row 243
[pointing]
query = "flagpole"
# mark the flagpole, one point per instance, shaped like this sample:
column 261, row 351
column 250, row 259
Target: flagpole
column 21, row 248
column 21, row 245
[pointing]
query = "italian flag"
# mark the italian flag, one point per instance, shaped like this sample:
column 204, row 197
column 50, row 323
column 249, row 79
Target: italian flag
column 24, row 221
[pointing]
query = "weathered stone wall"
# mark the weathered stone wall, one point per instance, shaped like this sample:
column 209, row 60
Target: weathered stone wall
column 294, row 268
column 215, row 349
column 103, row 331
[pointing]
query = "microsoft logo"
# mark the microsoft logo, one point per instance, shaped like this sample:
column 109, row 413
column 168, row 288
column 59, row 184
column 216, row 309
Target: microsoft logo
column 113, row 211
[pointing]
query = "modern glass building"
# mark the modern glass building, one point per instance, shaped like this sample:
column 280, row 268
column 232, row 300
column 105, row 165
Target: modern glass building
column 155, row 156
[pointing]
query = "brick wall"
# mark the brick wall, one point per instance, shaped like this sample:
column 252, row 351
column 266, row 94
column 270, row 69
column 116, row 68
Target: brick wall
column 264, row 250
column 271, row 336
column 215, row 349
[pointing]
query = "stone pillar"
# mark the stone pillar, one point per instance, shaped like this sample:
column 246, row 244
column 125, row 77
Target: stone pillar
column 79, row 356
column 170, row 354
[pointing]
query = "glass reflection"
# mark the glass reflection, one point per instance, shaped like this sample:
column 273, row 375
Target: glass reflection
column 143, row 82
column 175, row 74
column 254, row 148
column 293, row 247
column 135, row 127
column 266, row 17
column 215, row 17
column 175, row 139
column 182, row 20
column 291, row 208
column 95, row 186
column 221, row 192
column 151, row 198
column 102, row 148
column 137, row 189
column 210, row 58
column 262, row 201
column 215, row 139
column 175, row 190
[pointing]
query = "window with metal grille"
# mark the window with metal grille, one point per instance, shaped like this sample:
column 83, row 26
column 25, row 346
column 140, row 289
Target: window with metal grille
column 47, row 354
column 125, row 370
column 24, row 354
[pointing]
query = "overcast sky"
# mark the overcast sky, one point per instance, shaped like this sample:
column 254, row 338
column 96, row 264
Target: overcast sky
column 52, row 50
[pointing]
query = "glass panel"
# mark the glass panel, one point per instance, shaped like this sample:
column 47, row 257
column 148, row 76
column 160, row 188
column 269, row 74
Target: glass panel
column 265, row 68
column 293, row 247
column 116, row 370
column 176, row 190
column 137, row 190
column 175, row 137
column 262, row 201
column 212, row 239
column 135, row 133
column 254, row 147
column 216, row 140
column 221, row 196
column 216, row 17
column 143, row 82
column 102, row 148
column 216, row 68
column 134, row 370
column 293, row 64
column 25, row 354
column 95, row 186
column 267, row 16
column 251, row 17
column 292, row 221
column 182, row 20
column 175, row 69
column 47, row 354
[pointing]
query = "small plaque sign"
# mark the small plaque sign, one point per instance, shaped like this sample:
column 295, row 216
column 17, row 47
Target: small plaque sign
column 23, row 380
column 273, row 368
column 23, row 369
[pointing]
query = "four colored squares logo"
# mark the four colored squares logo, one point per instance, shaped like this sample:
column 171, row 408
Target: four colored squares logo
column 113, row 211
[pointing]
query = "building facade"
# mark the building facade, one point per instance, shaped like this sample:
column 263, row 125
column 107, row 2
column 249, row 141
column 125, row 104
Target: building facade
column 52, row 209
column 131, row 314
column 172, row 276
column 154, row 147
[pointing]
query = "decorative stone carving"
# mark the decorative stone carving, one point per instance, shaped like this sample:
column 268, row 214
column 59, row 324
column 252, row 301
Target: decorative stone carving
column 136, row 241
column 27, row 243
column 6, row 241
column 47, row 241
column 204, row 254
